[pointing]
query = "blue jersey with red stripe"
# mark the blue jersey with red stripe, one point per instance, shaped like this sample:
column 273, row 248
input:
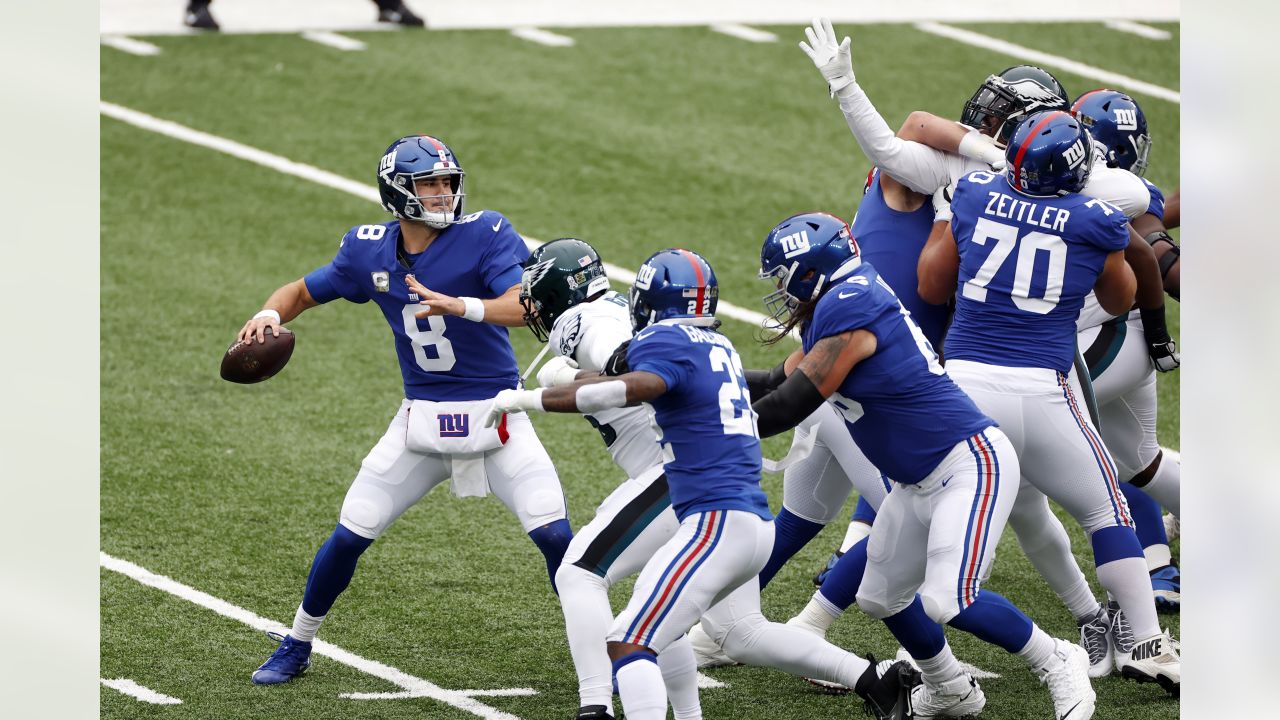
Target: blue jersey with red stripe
column 710, row 446
column 1157, row 199
column 900, row 406
column 1026, row 265
column 441, row 358
column 892, row 240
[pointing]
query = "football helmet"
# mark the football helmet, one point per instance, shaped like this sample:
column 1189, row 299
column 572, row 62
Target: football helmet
column 1116, row 121
column 803, row 255
column 413, row 158
column 556, row 277
column 674, row 283
column 1003, row 100
column 1050, row 154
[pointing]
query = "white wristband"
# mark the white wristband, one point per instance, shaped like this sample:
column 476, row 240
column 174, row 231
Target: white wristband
column 532, row 400
column 473, row 309
column 601, row 396
column 268, row 313
column 979, row 147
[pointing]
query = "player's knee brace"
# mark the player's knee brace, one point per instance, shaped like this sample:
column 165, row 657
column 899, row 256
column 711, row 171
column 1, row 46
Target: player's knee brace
column 939, row 605
column 365, row 516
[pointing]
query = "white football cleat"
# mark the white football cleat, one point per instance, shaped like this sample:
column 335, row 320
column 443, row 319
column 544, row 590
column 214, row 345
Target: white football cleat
column 1095, row 638
column 960, row 697
column 1155, row 659
column 1067, row 675
column 705, row 650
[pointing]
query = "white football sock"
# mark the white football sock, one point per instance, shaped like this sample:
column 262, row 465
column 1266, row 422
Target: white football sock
column 854, row 534
column 941, row 667
column 305, row 626
column 1039, row 648
column 816, row 617
column 584, row 598
column 1129, row 583
column 1157, row 556
column 680, row 675
column 644, row 697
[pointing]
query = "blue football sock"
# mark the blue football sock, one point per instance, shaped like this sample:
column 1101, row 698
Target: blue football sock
column 332, row 569
column 790, row 533
column 840, row 587
column 553, row 540
column 1148, row 518
column 1115, row 543
column 863, row 512
column 994, row 619
column 916, row 631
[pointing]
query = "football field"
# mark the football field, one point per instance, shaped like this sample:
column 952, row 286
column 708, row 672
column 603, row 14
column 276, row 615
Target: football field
column 232, row 164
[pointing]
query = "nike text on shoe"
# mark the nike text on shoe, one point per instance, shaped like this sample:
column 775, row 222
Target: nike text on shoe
column 1095, row 638
column 886, row 691
column 1067, row 675
column 1166, row 585
column 1154, row 659
column 289, row 661
column 593, row 712
column 705, row 650
column 960, row 697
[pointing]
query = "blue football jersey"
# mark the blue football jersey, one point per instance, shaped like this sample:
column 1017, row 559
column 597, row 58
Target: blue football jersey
column 711, row 448
column 1026, row 265
column 441, row 358
column 892, row 241
column 1157, row 199
column 901, row 407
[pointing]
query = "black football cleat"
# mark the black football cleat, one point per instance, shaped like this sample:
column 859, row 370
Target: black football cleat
column 199, row 17
column 397, row 13
column 593, row 712
column 888, row 696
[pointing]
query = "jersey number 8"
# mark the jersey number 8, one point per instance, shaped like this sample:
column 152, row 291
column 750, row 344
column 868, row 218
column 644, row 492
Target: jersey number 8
column 423, row 339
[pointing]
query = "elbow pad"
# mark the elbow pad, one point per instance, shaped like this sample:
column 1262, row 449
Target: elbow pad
column 763, row 382
column 784, row 408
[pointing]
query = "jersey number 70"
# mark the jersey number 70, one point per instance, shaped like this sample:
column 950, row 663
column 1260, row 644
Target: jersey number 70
column 1028, row 246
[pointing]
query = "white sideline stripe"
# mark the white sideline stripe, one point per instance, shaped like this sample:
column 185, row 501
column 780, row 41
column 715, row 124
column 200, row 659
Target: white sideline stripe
column 499, row 692
column 417, row 686
column 130, row 45
column 337, row 182
column 145, row 694
column 706, row 682
column 333, row 40
column 1108, row 78
column 1133, row 28
column 977, row 672
column 542, row 37
column 744, row 32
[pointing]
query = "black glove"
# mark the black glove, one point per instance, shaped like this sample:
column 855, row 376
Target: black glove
column 1162, row 349
column 617, row 362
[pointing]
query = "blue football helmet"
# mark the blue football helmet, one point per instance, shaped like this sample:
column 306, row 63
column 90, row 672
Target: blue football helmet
column 803, row 256
column 674, row 283
column 1116, row 121
column 1050, row 154
column 413, row 158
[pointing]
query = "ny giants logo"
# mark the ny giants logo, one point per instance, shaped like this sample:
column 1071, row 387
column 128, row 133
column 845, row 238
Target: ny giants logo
column 1126, row 119
column 454, row 425
column 795, row 244
column 1074, row 154
column 644, row 277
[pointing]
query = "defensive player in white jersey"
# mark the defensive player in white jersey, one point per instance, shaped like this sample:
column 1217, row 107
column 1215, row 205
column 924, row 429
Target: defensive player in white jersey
column 565, row 293
column 459, row 305
column 1027, row 248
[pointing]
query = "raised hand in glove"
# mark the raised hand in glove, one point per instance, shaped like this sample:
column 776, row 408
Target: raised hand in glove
column 832, row 60
column 559, row 370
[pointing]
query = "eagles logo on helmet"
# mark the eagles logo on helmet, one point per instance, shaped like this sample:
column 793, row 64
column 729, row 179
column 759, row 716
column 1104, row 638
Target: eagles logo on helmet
column 1003, row 100
column 557, row 276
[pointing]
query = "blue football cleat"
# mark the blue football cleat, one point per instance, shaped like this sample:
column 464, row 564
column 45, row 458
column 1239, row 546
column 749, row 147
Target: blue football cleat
column 289, row 661
column 821, row 577
column 1166, row 584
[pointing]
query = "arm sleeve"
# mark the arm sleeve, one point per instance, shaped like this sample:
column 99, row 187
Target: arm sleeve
column 501, row 265
column 656, row 354
column 336, row 280
column 788, row 406
column 763, row 382
column 917, row 166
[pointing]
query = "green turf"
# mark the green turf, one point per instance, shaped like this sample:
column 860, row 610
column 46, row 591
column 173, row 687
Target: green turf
column 634, row 139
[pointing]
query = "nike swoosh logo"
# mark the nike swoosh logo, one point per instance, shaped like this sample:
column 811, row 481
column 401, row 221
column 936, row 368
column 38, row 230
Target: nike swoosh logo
column 944, row 482
column 497, row 225
column 1067, row 714
column 843, row 296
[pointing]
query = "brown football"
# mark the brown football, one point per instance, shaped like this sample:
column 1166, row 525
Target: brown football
column 250, row 361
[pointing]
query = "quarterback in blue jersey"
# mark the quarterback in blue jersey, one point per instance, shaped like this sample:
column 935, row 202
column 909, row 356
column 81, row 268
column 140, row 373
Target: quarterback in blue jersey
column 1028, row 248
column 447, row 284
column 953, row 470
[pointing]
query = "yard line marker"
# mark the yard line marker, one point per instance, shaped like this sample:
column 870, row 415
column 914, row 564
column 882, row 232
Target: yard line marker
column 1133, row 28
column 145, row 694
column 333, row 40
column 130, row 45
column 417, row 687
column 542, row 37
column 745, row 32
column 1108, row 78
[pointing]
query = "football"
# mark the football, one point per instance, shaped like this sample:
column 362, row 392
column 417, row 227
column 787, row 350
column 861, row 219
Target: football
column 250, row 361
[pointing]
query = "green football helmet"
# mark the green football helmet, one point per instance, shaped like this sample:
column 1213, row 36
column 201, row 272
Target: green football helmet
column 556, row 277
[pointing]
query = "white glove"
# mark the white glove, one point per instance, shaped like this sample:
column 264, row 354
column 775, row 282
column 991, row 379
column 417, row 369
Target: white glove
column 559, row 370
column 979, row 147
column 513, row 401
column 832, row 60
column 942, row 204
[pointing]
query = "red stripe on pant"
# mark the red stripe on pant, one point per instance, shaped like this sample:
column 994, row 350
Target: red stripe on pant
column 675, row 579
column 975, row 559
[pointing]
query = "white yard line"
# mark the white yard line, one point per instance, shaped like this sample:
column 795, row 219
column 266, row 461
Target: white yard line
column 130, row 45
column 542, row 37
column 1108, row 78
column 334, row 40
column 1133, row 28
column 145, row 694
column 744, row 32
column 414, row 686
